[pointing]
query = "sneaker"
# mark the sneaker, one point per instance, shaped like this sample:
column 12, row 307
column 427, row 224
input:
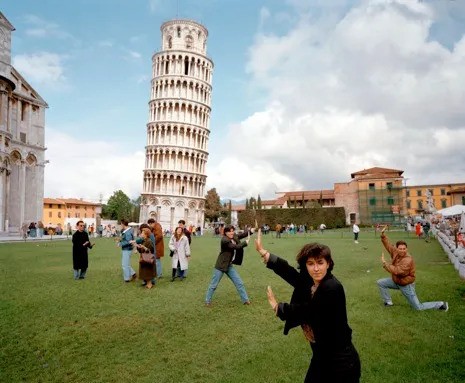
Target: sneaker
column 247, row 303
column 444, row 307
column 208, row 304
column 388, row 304
column 356, row 241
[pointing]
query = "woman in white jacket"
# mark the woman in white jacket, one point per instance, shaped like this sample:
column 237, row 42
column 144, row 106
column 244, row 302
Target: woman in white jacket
column 179, row 246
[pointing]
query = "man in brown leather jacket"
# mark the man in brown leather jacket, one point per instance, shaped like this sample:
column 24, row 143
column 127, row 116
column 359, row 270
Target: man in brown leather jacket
column 402, row 270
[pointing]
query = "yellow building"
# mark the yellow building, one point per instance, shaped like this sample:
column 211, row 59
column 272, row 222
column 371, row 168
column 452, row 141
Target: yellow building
column 443, row 195
column 54, row 212
column 70, row 210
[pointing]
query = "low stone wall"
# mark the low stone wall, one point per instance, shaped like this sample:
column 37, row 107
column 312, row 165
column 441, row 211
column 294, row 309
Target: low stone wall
column 456, row 255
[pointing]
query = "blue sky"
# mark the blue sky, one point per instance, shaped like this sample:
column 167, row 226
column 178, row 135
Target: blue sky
column 304, row 92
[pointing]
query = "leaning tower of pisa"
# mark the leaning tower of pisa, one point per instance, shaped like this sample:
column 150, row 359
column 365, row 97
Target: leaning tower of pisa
column 178, row 127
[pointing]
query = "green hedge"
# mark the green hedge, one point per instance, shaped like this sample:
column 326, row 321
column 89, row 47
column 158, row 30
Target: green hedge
column 332, row 217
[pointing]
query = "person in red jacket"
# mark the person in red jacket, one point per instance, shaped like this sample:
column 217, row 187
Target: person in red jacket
column 402, row 270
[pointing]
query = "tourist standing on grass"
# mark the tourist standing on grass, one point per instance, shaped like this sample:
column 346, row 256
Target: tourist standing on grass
column 402, row 270
column 318, row 306
column 126, row 243
column 81, row 243
column 418, row 230
column 355, row 230
column 179, row 245
column 159, row 244
column 147, row 271
column 231, row 252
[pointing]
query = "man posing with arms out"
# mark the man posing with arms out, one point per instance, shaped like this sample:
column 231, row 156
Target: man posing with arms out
column 232, row 252
column 402, row 270
column 159, row 245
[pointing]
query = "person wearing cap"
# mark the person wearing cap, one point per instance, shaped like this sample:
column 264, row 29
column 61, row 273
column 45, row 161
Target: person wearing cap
column 318, row 306
column 402, row 270
column 231, row 253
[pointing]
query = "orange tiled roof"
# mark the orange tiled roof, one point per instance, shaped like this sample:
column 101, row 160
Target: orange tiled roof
column 377, row 172
column 54, row 201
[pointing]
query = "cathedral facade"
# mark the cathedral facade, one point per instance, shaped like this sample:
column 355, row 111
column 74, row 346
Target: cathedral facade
column 178, row 127
column 22, row 143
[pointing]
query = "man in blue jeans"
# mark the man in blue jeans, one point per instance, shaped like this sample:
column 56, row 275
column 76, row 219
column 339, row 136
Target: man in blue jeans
column 127, row 240
column 402, row 270
column 231, row 253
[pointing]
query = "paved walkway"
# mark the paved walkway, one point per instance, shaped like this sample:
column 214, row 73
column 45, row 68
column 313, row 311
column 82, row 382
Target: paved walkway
column 13, row 238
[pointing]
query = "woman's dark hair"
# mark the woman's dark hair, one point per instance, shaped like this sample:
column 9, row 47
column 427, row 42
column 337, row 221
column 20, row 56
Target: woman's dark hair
column 316, row 251
column 228, row 228
column 124, row 222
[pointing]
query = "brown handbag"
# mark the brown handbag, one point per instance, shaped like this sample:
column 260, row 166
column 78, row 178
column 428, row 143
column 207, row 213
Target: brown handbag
column 147, row 258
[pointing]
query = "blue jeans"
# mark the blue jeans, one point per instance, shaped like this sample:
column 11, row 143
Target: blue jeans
column 158, row 264
column 235, row 278
column 128, row 271
column 409, row 293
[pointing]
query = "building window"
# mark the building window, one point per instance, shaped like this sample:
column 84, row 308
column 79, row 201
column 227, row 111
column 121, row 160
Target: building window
column 420, row 204
column 389, row 185
column 371, row 186
column 50, row 205
column 49, row 214
column 69, row 215
column 443, row 191
column 407, row 193
column 409, row 204
column 59, row 214
column 390, row 201
column 431, row 191
column 23, row 111
column 463, row 200
column 443, row 203
column 373, row 201
column 22, row 137
column 418, row 193
column 179, row 31
column 85, row 207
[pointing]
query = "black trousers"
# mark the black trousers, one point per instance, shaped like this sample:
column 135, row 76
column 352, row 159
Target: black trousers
column 341, row 366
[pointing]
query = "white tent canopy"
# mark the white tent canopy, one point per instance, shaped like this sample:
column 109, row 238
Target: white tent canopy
column 452, row 210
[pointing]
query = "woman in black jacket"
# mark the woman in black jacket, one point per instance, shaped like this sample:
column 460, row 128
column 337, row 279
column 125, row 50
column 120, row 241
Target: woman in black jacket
column 318, row 305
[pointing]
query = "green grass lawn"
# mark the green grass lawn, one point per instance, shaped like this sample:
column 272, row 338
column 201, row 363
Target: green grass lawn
column 56, row 329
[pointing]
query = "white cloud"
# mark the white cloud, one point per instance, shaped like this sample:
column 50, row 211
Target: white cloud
column 42, row 68
column 368, row 89
column 41, row 28
column 83, row 168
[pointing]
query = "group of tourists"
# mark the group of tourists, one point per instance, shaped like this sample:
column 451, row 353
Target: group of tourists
column 317, row 304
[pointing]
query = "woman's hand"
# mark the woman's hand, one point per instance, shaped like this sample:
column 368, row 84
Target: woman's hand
column 272, row 299
column 258, row 246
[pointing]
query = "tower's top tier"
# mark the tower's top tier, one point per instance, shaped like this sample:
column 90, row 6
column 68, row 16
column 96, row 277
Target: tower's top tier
column 185, row 35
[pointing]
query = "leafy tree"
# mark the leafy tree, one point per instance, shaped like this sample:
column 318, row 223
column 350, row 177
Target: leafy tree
column 252, row 203
column 259, row 202
column 247, row 206
column 118, row 207
column 135, row 209
column 303, row 200
column 213, row 207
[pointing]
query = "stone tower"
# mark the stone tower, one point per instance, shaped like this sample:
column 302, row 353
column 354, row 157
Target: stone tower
column 178, row 127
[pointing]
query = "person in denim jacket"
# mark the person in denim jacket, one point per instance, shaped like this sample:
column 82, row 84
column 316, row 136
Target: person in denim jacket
column 126, row 243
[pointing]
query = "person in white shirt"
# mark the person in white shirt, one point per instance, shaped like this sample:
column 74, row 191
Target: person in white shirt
column 355, row 230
